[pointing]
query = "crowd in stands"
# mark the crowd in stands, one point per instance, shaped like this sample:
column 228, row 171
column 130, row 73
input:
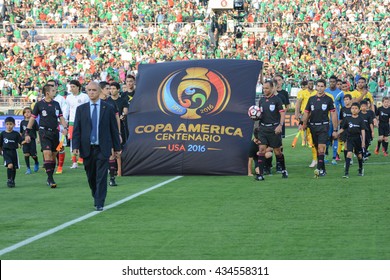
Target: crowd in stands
column 300, row 39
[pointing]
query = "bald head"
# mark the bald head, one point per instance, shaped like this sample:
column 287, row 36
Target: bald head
column 93, row 91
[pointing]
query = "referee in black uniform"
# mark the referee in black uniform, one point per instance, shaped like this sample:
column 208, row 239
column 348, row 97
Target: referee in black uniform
column 270, row 124
column 316, row 117
column 49, row 112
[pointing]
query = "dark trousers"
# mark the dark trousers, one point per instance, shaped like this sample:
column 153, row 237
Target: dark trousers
column 96, row 167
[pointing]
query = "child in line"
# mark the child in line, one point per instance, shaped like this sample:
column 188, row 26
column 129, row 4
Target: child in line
column 9, row 143
column 354, row 128
column 368, row 117
column 344, row 113
column 383, row 116
column 30, row 149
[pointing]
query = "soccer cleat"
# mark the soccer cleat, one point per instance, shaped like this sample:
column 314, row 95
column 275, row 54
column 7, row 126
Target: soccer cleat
column 334, row 162
column 80, row 161
column 376, row 150
column 361, row 172
column 278, row 168
column 259, row 178
column 346, row 176
column 112, row 182
column 59, row 170
column 28, row 171
column 267, row 171
column 313, row 164
column 316, row 173
column 10, row 183
column 51, row 183
column 322, row 173
column 74, row 165
column 36, row 167
column 337, row 158
column 385, row 154
column 284, row 174
column 99, row 208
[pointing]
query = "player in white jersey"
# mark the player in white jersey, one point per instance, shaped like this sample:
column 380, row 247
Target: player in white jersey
column 73, row 100
column 64, row 108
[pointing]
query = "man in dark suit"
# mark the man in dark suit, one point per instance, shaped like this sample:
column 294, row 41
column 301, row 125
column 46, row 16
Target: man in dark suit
column 95, row 134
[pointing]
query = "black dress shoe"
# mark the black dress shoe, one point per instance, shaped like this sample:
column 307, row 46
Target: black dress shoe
column 99, row 208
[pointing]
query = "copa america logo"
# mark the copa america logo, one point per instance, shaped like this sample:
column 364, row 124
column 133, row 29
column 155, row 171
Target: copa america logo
column 193, row 92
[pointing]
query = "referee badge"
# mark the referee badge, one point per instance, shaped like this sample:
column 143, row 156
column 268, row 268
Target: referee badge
column 44, row 113
column 272, row 107
column 324, row 106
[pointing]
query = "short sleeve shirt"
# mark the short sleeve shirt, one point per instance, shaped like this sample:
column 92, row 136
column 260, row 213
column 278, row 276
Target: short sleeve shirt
column 270, row 107
column 49, row 113
column 319, row 108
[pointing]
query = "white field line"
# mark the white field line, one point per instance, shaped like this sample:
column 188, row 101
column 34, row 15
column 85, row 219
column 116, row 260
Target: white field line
column 82, row 218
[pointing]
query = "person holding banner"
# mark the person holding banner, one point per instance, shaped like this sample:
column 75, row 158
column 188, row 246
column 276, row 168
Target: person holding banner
column 270, row 128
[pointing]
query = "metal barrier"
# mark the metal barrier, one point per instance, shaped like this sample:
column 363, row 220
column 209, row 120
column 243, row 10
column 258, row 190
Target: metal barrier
column 13, row 103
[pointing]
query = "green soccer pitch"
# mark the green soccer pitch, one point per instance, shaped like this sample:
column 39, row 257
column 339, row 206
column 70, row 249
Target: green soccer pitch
column 202, row 217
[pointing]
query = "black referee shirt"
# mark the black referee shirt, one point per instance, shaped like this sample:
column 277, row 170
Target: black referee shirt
column 49, row 113
column 319, row 108
column 270, row 110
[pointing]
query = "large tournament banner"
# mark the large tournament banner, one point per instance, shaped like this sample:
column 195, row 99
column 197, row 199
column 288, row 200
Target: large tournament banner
column 190, row 117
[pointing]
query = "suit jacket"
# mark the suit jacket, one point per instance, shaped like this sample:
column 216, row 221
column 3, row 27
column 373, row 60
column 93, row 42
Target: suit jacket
column 108, row 130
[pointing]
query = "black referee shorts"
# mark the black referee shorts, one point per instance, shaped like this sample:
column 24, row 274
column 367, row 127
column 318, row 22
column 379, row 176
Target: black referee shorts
column 49, row 140
column 319, row 134
column 268, row 137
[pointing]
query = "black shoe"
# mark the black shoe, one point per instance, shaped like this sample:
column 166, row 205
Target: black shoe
column 361, row 172
column 284, row 174
column 322, row 173
column 10, row 184
column 51, row 183
column 99, row 208
column 346, row 176
column 259, row 178
column 112, row 182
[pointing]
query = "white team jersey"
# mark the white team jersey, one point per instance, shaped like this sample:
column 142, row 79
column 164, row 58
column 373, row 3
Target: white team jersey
column 73, row 102
column 64, row 107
